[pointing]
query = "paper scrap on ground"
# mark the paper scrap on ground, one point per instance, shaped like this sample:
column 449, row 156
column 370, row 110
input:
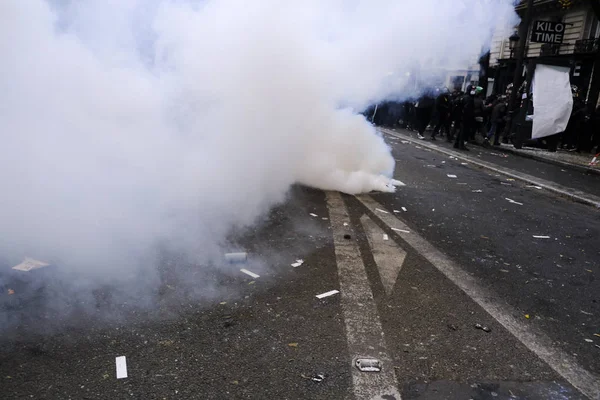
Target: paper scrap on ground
column 541, row 237
column 464, row 163
column 121, row 367
column 30, row 264
column 405, row 142
column 451, row 176
column 400, row 230
column 298, row 263
column 381, row 211
column 477, row 191
column 252, row 274
column 313, row 215
column 385, row 237
column 327, row 294
column 513, row 202
column 534, row 186
column 396, row 211
column 404, row 209
column 345, row 224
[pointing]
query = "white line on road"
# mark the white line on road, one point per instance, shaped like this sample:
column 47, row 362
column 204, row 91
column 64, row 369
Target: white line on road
column 388, row 255
column 363, row 327
column 536, row 341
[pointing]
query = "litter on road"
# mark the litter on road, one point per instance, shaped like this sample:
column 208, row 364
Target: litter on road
column 250, row 273
column 345, row 224
column 381, row 211
column 404, row 209
column 368, row 365
column 385, row 237
column 589, row 340
column 318, row 378
column 505, row 184
column 477, row 191
column 587, row 313
column 541, row 237
column 451, row 176
column 298, row 263
column 513, row 202
column 400, row 230
column 483, row 328
column 405, row 142
column 534, row 186
column 313, row 215
column 464, row 163
column 236, row 257
column 30, row 264
column 121, row 367
column 327, row 294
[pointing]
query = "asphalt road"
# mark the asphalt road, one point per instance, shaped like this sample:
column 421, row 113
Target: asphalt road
column 464, row 255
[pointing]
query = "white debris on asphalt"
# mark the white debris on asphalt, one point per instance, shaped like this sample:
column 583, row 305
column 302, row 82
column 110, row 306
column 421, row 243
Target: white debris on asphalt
column 324, row 218
column 385, row 237
column 236, row 257
column 589, row 340
column 452, row 176
column 327, row 294
column 250, row 273
column 513, row 202
column 505, row 184
column 464, row 163
column 298, row 263
column 381, row 211
column 405, row 141
column 30, row 264
column 404, row 209
column 534, row 186
column 345, row 224
column 477, row 191
column 396, row 211
column 541, row 237
column 121, row 363
column 313, row 215
column 443, row 162
column 400, row 230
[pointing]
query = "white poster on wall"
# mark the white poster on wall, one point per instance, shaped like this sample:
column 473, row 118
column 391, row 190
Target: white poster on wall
column 552, row 100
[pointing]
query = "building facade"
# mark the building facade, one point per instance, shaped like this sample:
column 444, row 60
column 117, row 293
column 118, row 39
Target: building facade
column 579, row 46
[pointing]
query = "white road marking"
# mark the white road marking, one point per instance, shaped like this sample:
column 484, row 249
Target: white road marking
column 327, row 294
column 252, row 274
column 363, row 327
column 535, row 340
column 389, row 256
column 121, row 367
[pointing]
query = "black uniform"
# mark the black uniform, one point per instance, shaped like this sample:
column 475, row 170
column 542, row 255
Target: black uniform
column 442, row 106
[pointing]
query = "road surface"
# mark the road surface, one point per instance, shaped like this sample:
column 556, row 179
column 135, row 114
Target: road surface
column 465, row 284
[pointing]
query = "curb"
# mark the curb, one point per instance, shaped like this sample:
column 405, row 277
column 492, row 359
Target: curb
column 571, row 194
column 559, row 163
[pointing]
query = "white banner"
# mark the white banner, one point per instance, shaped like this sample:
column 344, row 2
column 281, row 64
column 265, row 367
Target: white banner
column 552, row 100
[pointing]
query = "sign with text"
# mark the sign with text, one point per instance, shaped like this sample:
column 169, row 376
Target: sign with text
column 548, row 32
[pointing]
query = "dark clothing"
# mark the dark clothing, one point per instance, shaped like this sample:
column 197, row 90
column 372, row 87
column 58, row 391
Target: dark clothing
column 497, row 121
column 424, row 111
column 442, row 106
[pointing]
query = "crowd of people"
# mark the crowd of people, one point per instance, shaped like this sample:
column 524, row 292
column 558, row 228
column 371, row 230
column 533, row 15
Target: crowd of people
column 461, row 116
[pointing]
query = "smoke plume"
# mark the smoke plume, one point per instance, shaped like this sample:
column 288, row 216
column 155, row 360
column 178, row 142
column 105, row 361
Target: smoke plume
column 130, row 123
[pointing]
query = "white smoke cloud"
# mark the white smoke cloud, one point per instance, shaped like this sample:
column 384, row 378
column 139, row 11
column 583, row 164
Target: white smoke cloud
column 127, row 123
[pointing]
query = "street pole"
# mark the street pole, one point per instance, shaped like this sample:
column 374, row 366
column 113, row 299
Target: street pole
column 523, row 31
